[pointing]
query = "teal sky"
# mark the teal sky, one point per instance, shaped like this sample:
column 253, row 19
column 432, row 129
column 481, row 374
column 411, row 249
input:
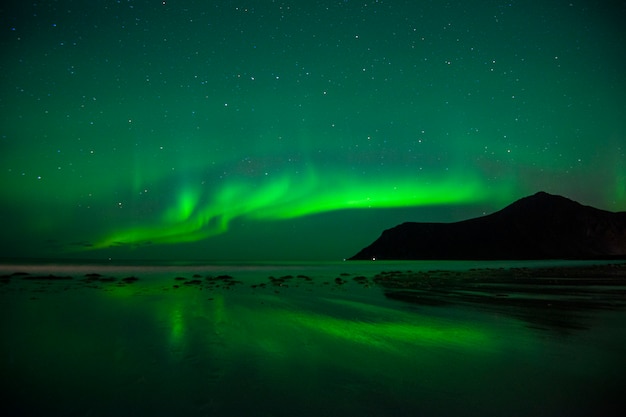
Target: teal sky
column 271, row 130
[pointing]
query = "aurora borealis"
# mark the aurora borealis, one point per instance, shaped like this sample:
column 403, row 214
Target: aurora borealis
column 297, row 129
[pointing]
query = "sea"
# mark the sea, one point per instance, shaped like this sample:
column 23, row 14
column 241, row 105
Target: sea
column 303, row 339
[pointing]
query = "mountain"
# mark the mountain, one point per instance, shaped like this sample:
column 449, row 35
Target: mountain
column 541, row 226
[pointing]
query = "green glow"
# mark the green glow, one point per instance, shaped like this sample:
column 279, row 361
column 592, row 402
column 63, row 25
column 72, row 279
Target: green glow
column 159, row 140
column 193, row 218
column 187, row 203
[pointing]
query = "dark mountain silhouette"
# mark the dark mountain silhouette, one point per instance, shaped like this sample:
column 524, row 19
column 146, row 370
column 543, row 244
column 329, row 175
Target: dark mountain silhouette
column 541, row 226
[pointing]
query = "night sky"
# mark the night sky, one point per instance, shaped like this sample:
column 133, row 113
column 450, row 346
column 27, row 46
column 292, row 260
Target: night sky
column 277, row 130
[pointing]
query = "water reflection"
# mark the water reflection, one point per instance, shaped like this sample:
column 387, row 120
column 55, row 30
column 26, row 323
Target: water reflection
column 177, row 333
column 148, row 348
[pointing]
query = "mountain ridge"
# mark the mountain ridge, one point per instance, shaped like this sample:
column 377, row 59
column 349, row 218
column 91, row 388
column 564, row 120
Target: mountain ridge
column 540, row 226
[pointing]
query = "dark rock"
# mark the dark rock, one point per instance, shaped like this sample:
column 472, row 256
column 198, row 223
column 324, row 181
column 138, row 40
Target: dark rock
column 47, row 278
column 277, row 281
column 224, row 277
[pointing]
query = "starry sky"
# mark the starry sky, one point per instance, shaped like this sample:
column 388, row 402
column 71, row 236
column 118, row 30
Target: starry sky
column 296, row 130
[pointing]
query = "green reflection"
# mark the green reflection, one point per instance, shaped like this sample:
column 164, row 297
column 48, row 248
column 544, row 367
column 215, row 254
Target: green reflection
column 269, row 326
column 177, row 328
column 386, row 335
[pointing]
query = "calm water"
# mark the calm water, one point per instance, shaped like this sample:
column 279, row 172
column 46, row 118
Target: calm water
column 315, row 343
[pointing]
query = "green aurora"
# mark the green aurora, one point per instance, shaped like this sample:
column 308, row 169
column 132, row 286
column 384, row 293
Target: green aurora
column 296, row 130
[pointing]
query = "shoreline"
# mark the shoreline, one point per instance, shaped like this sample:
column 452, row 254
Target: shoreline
column 610, row 272
column 560, row 297
column 431, row 281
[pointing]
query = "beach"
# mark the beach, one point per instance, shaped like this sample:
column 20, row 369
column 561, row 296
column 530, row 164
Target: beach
column 321, row 339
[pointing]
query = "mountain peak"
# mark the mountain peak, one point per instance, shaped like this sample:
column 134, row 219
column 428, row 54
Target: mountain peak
column 544, row 198
column 540, row 226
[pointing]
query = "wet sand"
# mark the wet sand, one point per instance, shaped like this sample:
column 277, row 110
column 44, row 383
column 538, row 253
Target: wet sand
column 545, row 297
column 386, row 342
